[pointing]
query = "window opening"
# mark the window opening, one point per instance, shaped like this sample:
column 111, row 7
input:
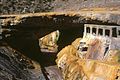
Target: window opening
column 88, row 29
column 114, row 32
column 100, row 31
column 107, row 32
column 119, row 32
column 84, row 48
column 94, row 30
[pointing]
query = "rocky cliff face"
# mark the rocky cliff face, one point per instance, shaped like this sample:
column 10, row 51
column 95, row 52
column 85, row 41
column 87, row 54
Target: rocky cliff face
column 15, row 66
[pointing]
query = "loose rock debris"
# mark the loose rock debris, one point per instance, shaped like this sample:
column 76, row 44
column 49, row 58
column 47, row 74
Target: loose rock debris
column 15, row 66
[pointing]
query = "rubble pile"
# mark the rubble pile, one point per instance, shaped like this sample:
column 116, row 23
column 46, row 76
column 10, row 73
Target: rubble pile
column 23, row 6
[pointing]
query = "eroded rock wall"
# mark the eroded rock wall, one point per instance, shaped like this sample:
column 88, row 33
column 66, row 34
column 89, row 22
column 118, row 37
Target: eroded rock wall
column 15, row 66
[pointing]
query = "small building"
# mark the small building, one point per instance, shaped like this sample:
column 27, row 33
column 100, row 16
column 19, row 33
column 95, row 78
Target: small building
column 104, row 38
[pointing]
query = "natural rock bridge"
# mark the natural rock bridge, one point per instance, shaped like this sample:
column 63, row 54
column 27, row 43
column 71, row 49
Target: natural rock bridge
column 28, row 28
column 50, row 21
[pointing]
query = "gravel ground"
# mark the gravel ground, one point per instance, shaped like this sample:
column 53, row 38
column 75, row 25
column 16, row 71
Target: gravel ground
column 23, row 6
column 34, row 6
column 75, row 5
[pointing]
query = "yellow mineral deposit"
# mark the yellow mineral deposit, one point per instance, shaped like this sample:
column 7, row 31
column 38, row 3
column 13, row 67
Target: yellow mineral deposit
column 76, row 42
column 91, row 58
column 48, row 43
